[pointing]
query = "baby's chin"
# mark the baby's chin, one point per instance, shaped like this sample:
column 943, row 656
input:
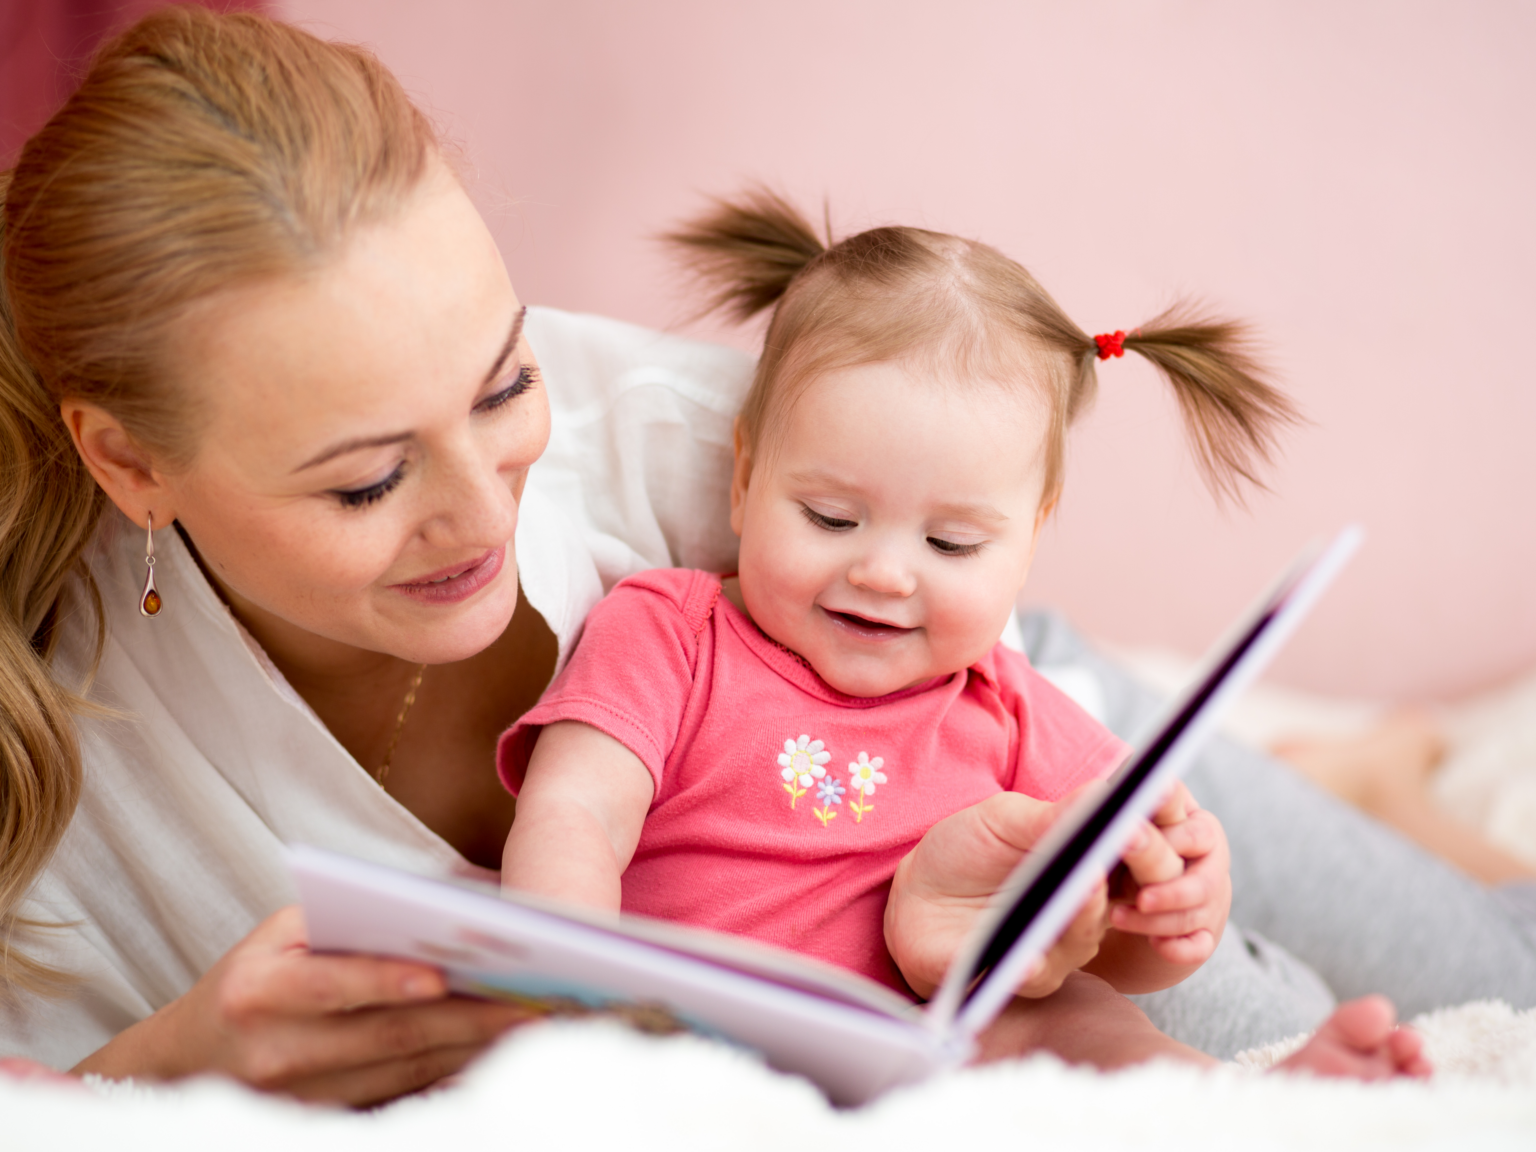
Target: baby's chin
column 857, row 678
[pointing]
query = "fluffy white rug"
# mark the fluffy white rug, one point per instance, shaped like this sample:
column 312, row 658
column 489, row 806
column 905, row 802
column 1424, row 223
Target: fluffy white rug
column 598, row 1086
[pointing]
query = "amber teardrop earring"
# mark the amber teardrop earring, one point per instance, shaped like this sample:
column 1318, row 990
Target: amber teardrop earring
column 150, row 603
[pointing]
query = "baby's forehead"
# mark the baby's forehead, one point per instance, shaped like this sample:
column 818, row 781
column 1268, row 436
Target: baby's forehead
column 964, row 433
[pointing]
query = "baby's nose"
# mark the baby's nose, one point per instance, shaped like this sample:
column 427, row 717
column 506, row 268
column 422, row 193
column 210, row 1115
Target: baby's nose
column 883, row 574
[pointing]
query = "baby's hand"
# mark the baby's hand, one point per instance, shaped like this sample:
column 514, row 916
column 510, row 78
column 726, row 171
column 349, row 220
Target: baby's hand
column 1179, row 890
column 943, row 884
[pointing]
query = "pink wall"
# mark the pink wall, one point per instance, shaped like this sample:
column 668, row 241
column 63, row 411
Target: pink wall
column 44, row 48
column 1357, row 178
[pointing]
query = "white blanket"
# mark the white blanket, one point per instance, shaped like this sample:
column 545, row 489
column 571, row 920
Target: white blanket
column 599, row 1086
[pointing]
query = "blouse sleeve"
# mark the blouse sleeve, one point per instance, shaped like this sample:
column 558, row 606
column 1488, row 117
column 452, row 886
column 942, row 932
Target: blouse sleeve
column 640, row 446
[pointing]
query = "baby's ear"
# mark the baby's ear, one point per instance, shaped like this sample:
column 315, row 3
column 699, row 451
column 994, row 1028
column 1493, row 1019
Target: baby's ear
column 741, row 474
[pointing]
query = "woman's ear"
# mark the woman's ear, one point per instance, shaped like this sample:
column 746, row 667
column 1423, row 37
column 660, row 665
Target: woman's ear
column 119, row 465
column 741, row 473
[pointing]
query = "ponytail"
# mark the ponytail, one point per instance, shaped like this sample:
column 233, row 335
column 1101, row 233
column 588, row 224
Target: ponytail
column 749, row 251
column 49, row 506
column 1232, row 414
column 896, row 292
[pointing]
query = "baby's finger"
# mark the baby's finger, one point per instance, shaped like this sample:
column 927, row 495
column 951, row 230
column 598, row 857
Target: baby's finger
column 1196, row 948
column 1150, row 859
column 1190, row 890
column 1180, row 923
column 1197, row 836
column 1176, row 808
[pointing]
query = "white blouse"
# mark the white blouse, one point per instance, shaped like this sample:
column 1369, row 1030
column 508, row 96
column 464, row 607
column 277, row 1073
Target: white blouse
column 208, row 762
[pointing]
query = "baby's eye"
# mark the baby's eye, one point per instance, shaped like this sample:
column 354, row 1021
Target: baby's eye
column 830, row 523
column 950, row 548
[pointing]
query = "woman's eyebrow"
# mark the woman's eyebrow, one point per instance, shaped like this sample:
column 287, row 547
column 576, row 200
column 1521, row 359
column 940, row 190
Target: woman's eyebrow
column 361, row 442
column 509, row 347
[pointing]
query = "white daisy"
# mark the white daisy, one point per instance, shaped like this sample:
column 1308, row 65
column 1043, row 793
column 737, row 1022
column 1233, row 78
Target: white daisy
column 864, row 774
column 802, row 760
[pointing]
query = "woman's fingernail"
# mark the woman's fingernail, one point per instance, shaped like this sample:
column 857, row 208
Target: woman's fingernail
column 420, row 986
column 1139, row 841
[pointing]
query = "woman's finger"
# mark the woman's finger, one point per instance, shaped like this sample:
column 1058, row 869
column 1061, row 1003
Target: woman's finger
column 305, row 1048
column 375, row 1083
column 276, row 972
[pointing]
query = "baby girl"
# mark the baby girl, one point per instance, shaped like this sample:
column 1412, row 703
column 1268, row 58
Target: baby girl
column 758, row 753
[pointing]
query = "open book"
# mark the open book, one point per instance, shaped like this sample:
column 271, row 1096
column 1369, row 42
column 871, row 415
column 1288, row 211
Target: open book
column 852, row 1036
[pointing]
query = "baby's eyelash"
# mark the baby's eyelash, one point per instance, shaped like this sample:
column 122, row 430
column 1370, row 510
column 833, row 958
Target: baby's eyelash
column 526, row 378
column 950, row 548
column 830, row 523
column 362, row 497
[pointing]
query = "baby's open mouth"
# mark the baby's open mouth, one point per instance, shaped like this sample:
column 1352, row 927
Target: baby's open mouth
column 864, row 626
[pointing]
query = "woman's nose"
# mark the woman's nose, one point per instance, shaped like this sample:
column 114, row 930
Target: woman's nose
column 473, row 503
column 883, row 573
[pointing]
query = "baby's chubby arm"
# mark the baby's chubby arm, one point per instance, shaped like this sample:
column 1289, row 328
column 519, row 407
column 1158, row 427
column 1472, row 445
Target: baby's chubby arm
column 579, row 813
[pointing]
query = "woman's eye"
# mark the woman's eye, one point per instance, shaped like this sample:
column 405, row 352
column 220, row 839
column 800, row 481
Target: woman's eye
column 361, row 497
column 950, row 548
column 830, row 523
column 523, row 381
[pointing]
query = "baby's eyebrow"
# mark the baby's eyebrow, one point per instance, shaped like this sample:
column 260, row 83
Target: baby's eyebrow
column 972, row 512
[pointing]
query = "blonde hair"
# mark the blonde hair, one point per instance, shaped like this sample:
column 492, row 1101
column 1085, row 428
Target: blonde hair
column 894, row 293
column 200, row 152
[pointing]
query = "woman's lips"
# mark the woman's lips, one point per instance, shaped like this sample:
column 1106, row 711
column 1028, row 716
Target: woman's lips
column 866, row 629
column 460, row 582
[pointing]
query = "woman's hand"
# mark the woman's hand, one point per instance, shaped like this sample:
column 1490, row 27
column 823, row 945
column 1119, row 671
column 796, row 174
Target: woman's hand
column 351, row 1029
column 942, row 885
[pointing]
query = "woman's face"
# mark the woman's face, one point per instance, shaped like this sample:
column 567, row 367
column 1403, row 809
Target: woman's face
column 369, row 433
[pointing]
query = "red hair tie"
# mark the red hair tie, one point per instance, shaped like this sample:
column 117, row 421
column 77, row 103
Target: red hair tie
column 1110, row 345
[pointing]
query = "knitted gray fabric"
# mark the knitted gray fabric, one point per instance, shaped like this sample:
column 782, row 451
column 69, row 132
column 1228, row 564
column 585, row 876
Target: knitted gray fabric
column 1326, row 902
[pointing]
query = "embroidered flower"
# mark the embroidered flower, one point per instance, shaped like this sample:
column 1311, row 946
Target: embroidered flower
column 863, row 775
column 801, row 764
column 829, row 793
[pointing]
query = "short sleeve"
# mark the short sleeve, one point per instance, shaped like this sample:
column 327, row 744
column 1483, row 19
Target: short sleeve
column 1060, row 747
column 631, row 675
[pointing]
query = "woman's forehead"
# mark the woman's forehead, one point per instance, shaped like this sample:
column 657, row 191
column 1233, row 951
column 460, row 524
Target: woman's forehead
column 411, row 310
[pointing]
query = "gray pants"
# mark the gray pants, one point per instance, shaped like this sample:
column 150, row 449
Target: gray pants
column 1326, row 902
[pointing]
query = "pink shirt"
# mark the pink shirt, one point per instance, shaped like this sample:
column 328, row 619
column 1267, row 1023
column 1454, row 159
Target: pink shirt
column 782, row 806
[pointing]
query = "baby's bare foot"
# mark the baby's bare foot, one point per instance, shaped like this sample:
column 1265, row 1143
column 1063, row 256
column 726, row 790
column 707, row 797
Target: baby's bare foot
column 1376, row 768
column 1361, row 1041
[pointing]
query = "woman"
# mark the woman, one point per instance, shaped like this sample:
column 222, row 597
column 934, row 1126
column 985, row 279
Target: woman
column 282, row 573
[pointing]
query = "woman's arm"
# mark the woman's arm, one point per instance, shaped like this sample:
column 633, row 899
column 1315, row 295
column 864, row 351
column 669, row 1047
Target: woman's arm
column 350, row 1029
column 580, row 809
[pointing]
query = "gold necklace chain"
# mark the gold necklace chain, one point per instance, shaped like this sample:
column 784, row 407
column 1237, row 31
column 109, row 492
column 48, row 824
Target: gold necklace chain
column 405, row 710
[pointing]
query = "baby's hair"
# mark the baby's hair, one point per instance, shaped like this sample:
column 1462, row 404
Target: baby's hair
column 897, row 293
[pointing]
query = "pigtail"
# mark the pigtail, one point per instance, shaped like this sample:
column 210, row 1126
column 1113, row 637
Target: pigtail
column 1232, row 414
column 748, row 250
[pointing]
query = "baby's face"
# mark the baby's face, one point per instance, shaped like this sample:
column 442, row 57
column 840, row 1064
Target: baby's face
column 887, row 531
